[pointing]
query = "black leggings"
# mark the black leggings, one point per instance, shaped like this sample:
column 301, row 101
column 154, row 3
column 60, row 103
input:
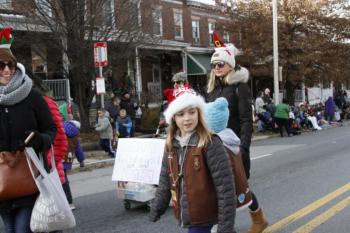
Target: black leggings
column 66, row 188
column 246, row 162
column 282, row 122
column 255, row 204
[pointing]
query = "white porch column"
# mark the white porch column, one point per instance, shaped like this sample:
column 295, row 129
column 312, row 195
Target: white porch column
column 138, row 74
column 65, row 63
column 130, row 71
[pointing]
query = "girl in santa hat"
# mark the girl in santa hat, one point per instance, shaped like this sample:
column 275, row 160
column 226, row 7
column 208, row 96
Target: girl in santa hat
column 196, row 173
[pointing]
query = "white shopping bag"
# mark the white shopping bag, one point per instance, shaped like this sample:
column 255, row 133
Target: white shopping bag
column 51, row 211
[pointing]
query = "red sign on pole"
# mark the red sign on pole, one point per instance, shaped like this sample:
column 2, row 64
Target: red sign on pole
column 100, row 54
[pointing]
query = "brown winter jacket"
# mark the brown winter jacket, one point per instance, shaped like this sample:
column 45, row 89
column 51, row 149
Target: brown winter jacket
column 205, row 194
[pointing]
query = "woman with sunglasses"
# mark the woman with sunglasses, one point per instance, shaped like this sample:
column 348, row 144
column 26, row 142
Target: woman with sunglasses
column 22, row 110
column 229, row 80
column 179, row 81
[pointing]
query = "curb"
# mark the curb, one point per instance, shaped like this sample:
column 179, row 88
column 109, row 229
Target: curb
column 90, row 165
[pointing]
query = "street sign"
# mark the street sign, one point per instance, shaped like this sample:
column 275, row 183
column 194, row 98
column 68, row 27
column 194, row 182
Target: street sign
column 100, row 86
column 100, row 54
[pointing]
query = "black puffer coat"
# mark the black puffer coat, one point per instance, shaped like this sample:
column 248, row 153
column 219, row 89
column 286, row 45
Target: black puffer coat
column 31, row 114
column 237, row 93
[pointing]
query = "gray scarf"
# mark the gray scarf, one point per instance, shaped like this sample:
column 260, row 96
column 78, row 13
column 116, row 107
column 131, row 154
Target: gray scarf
column 17, row 89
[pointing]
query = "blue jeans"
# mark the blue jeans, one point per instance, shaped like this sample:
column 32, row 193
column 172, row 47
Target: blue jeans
column 17, row 220
column 200, row 229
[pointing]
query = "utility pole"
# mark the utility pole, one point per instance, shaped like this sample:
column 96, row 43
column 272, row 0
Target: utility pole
column 275, row 52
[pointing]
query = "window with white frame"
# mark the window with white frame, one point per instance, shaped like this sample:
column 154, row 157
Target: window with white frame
column 44, row 8
column 226, row 37
column 195, row 31
column 211, row 28
column 134, row 12
column 178, row 24
column 108, row 13
column 6, row 4
column 157, row 22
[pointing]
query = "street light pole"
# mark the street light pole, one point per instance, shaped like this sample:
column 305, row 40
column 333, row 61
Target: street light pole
column 275, row 52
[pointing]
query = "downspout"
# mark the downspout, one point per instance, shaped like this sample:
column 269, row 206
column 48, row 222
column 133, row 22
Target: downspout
column 184, row 59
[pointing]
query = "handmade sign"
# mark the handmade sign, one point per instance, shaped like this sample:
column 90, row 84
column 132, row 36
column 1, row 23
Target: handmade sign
column 138, row 160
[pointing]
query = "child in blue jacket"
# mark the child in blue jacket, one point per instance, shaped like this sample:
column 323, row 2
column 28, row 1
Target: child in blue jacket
column 123, row 124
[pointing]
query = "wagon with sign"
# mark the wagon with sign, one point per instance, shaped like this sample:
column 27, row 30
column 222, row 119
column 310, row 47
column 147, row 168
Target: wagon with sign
column 135, row 194
column 137, row 168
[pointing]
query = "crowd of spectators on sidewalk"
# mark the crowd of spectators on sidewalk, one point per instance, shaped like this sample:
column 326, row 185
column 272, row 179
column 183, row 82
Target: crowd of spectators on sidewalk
column 295, row 119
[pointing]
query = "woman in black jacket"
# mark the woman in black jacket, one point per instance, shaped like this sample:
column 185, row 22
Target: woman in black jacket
column 230, row 81
column 22, row 110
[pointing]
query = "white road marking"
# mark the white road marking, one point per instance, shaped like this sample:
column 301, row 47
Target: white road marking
column 261, row 156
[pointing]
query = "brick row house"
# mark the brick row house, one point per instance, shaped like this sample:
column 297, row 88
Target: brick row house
column 182, row 29
column 28, row 45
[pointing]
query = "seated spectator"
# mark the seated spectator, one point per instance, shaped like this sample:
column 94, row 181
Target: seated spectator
column 293, row 125
column 259, row 104
column 312, row 118
column 301, row 117
column 320, row 120
column 265, row 121
column 123, row 125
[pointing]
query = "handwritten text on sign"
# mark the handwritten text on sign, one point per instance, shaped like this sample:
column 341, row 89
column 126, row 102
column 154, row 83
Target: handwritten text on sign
column 139, row 160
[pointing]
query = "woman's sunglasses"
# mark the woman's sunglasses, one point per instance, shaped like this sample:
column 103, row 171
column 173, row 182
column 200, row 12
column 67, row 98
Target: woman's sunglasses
column 9, row 64
column 178, row 82
column 220, row 64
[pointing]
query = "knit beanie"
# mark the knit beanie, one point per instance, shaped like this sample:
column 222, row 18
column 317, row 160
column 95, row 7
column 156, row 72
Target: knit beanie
column 187, row 98
column 6, row 39
column 223, row 52
column 216, row 114
column 180, row 76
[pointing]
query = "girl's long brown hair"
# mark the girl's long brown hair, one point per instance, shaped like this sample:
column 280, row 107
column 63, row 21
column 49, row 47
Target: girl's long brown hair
column 202, row 130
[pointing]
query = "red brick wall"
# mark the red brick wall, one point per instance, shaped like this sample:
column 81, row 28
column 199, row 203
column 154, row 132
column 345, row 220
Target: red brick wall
column 167, row 9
